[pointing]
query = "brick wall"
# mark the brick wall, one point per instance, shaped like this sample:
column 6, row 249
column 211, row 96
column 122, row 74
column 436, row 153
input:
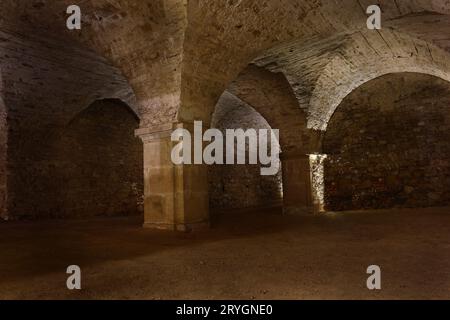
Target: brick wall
column 46, row 83
column 388, row 145
column 99, row 169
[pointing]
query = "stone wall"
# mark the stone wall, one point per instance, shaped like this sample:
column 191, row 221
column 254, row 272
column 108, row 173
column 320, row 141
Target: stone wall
column 46, row 83
column 99, row 170
column 240, row 186
column 388, row 145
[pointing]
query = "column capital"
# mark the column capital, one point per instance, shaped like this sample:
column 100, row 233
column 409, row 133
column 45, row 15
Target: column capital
column 164, row 130
column 160, row 131
column 155, row 132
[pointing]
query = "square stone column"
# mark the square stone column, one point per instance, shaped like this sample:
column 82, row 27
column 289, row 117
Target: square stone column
column 175, row 196
column 297, row 184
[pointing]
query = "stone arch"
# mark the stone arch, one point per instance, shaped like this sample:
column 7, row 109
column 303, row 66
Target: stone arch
column 271, row 94
column 359, row 64
column 179, row 56
column 325, row 100
column 125, row 100
column 324, row 64
column 241, row 186
column 214, row 50
column 209, row 66
column 387, row 145
column 148, row 50
column 321, row 71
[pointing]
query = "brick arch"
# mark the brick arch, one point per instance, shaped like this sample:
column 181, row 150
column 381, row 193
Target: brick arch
column 241, row 186
column 324, row 72
column 344, row 73
column 209, row 66
column 144, row 39
column 119, row 103
column 179, row 56
column 122, row 98
column 272, row 96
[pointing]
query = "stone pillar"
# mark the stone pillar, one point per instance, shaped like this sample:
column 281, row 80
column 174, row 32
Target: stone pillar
column 297, row 184
column 175, row 196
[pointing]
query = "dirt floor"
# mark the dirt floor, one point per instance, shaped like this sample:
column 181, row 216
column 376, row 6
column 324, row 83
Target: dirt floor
column 245, row 255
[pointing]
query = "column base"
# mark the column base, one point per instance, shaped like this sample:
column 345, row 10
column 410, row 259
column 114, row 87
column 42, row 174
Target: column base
column 180, row 227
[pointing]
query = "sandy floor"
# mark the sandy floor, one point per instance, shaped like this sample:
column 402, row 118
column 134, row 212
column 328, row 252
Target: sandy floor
column 259, row 255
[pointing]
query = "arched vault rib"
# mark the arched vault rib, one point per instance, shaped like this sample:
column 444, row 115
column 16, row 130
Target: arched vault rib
column 143, row 38
column 179, row 56
column 223, row 37
column 323, row 73
column 366, row 59
column 271, row 95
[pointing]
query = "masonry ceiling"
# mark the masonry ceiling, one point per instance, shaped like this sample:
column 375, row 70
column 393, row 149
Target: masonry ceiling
column 179, row 56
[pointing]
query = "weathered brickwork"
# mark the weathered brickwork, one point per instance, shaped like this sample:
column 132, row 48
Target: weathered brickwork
column 45, row 85
column 293, row 62
column 388, row 145
column 240, row 186
column 99, row 169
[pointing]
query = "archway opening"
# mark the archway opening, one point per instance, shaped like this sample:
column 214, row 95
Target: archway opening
column 239, row 187
column 388, row 145
column 102, row 162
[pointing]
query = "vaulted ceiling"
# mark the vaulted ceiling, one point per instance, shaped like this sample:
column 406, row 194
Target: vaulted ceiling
column 179, row 56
